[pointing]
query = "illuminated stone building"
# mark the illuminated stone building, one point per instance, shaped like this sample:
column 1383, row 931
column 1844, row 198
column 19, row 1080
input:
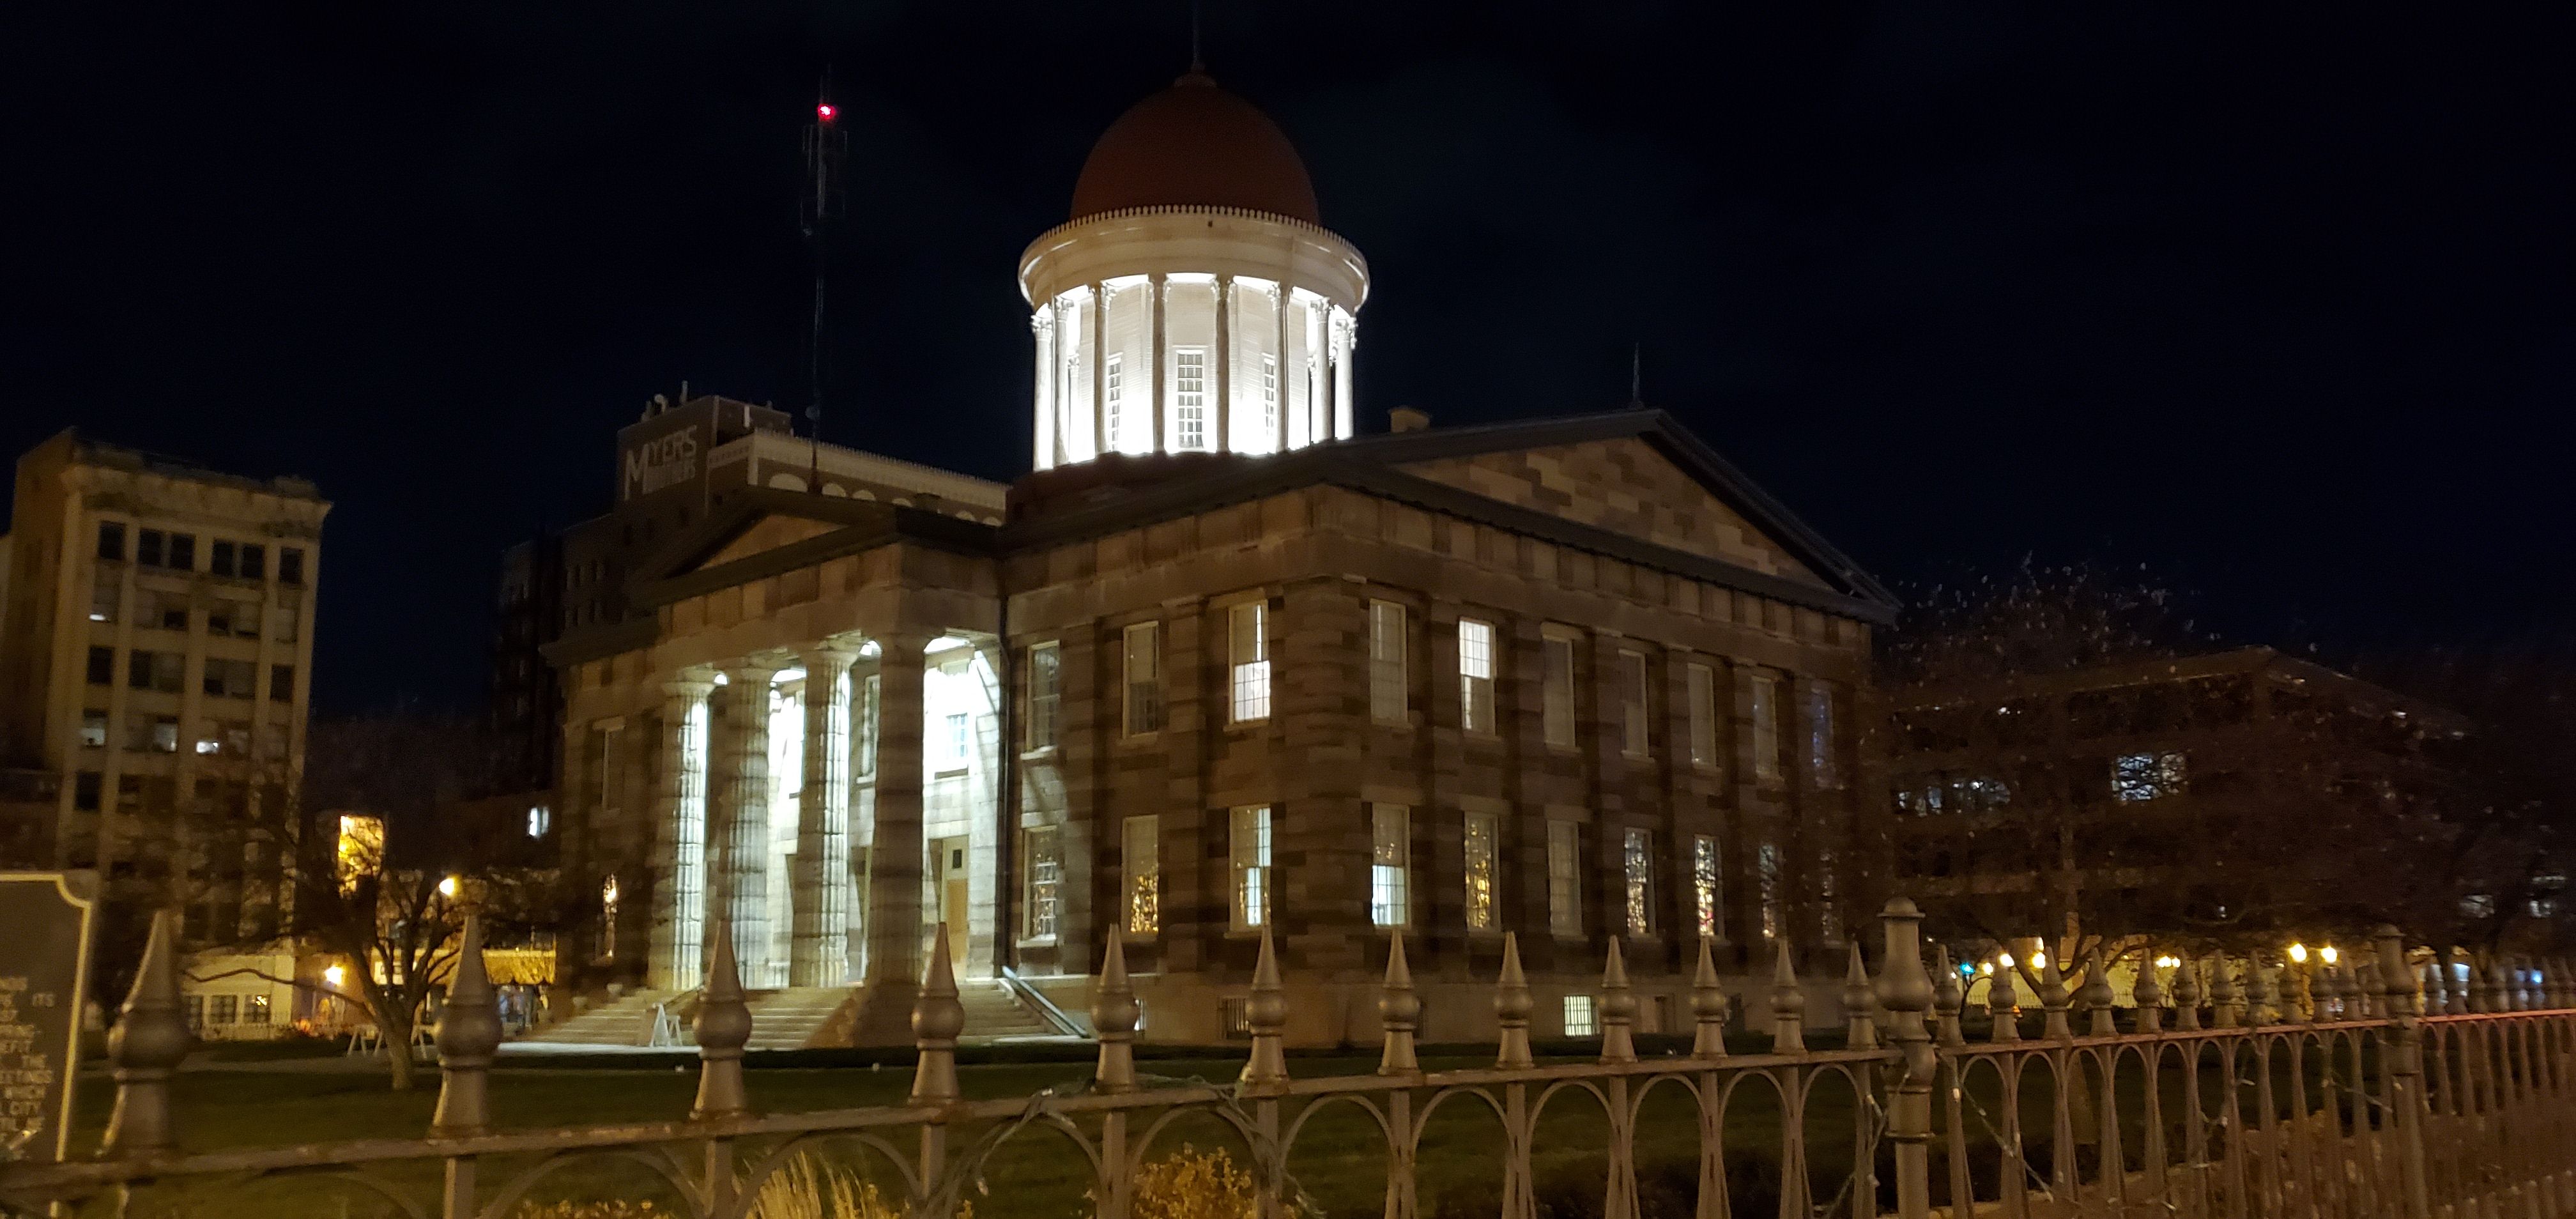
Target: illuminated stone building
column 156, row 649
column 1225, row 664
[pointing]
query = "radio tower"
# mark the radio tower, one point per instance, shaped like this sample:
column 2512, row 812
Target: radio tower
column 820, row 207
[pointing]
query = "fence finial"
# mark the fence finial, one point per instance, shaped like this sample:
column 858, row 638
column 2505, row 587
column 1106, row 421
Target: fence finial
column 2097, row 994
column 1860, row 1004
column 2263, row 992
column 2481, row 986
column 2053, row 999
column 1708, row 1005
column 1618, row 1009
column 469, row 1031
column 149, row 1042
column 1114, row 1014
column 2560, row 992
column 2148, row 993
column 1401, row 1011
column 2186, row 993
column 724, row 1027
column 2224, row 997
column 2436, row 1002
column 1267, row 1012
column 2396, row 979
column 1949, row 998
column 1788, row 1005
column 937, row 1018
column 1512, row 1009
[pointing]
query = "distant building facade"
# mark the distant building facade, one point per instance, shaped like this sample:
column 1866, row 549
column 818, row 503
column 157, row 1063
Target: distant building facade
column 155, row 674
column 2166, row 796
column 1225, row 666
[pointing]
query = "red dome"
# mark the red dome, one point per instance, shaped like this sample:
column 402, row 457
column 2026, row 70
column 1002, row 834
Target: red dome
column 1194, row 144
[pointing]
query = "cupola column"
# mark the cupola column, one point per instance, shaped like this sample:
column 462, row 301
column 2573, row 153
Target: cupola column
column 1224, row 439
column 1162, row 357
column 1279, row 298
column 1042, row 324
column 1099, row 348
column 1342, row 343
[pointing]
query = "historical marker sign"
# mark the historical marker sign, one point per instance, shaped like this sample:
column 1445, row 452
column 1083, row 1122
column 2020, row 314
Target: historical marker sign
column 44, row 972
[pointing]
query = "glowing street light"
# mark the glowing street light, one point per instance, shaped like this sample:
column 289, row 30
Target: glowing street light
column 2039, row 960
column 2168, row 961
column 2004, row 959
column 2328, row 954
column 2299, row 953
column 447, row 887
column 334, row 975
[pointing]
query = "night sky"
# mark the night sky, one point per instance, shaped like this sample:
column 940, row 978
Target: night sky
column 2278, row 305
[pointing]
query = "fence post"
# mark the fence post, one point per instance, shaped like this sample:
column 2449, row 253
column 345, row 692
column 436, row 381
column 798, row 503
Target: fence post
column 1949, row 998
column 2097, row 995
column 1860, row 1004
column 1788, row 1006
column 2225, row 999
column 149, row 1042
column 1708, row 1006
column 1906, row 994
column 1400, row 1010
column 2186, row 993
column 723, row 1029
column 469, row 1031
column 1512, row 1006
column 2406, row 1072
column 1113, row 1020
column 2148, row 994
column 2053, row 1001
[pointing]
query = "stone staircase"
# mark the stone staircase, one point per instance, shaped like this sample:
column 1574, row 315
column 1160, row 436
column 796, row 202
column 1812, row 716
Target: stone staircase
column 625, row 1022
column 993, row 1013
column 800, row 1017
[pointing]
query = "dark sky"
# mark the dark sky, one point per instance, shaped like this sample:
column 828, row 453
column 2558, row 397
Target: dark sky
column 2276, row 303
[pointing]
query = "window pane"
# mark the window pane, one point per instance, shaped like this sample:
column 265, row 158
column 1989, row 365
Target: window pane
column 1556, row 702
column 1144, row 679
column 1249, row 647
column 1766, row 879
column 1390, row 856
column 1140, row 853
column 1766, row 728
column 1580, row 1020
column 1632, row 690
column 1703, row 716
column 1475, row 675
column 1113, row 397
column 1706, row 895
column 1480, row 851
column 1046, row 694
column 1821, row 754
column 111, row 541
column 1564, row 879
column 1250, row 851
column 1046, row 875
column 1189, row 396
column 1638, row 862
column 1387, row 701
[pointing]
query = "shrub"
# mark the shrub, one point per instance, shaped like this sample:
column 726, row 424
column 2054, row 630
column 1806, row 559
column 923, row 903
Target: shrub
column 1191, row 1184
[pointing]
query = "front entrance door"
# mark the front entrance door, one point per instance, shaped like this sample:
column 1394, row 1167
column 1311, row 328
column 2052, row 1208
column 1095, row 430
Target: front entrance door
column 948, row 880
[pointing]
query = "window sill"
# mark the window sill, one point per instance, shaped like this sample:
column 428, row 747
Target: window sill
column 958, row 773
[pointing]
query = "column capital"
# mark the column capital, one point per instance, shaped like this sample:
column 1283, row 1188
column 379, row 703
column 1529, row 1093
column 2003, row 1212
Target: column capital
column 756, row 672
column 831, row 655
column 690, row 683
column 1042, row 320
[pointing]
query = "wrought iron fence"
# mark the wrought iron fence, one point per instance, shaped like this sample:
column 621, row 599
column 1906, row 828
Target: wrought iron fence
column 2379, row 1089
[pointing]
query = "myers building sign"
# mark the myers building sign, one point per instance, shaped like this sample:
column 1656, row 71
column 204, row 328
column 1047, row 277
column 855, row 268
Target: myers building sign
column 44, row 968
column 670, row 448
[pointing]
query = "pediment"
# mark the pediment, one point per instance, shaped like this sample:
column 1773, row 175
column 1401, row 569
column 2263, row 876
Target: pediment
column 1626, row 486
column 765, row 534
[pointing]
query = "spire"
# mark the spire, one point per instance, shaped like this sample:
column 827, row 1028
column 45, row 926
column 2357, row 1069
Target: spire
column 1198, row 64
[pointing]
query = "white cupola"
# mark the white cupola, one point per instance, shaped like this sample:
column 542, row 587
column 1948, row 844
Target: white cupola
column 1194, row 303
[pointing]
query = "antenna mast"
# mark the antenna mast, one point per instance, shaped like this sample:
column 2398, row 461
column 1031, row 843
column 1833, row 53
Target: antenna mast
column 821, row 205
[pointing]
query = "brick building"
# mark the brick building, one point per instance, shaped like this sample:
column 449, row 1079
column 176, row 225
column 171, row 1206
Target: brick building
column 1228, row 666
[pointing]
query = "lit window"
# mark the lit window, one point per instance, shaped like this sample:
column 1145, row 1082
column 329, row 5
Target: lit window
column 1761, row 706
column 1564, row 878
column 1481, row 880
column 254, row 1009
column 953, row 741
column 1390, row 854
column 1475, row 675
column 1707, row 895
column 2137, row 777
column 1113, row 395
column 1046, row 878
column 1580, row 1019
column 1144, row 662
column 1633, row 718
column 867, row 724
column 106, row 591
column 1766, row 880
column 1189, row 395
column 1046, row 693
column 1249, row 850
column 1637, row 861
column 1822, row 759
column 93, row 729
column 1556, row 691
column 608, row 917
column 1269, row 399
column 1248, row 644
column 1386, row 662
column 540, row 820
column 1703, row 716
column 1829, row 911
column 1140, row 852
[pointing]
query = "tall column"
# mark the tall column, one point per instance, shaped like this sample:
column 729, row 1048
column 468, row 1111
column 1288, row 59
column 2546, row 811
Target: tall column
column 1224, row 365
column 894, row 922
column 1343, row 327
column 1161, row 381
column 1279, row 298
column 819, row 955
column 1042, row 325
column 1099, row 367
column 742, row 772
column 680, row 836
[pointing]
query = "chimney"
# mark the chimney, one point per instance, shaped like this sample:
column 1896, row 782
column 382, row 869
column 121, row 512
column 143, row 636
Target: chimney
column 1407, row 419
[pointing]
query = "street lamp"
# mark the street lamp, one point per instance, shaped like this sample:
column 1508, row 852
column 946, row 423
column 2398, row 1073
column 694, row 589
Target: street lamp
column 2299, row 953
column 447, row 887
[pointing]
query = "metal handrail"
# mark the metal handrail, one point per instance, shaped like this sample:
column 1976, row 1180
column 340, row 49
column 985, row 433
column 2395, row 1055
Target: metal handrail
column 1064, row 1024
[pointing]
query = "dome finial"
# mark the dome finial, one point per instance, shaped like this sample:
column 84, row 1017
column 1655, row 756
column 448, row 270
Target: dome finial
column 1198, row 66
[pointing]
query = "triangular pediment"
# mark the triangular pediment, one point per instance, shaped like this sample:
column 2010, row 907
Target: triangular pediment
column 766, row 533
column 1626, row 486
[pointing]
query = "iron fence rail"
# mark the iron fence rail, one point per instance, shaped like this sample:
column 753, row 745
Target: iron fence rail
column 2341, row 1100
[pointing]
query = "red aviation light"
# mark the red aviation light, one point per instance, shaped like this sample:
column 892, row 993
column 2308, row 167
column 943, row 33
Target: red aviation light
column 824, row 111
